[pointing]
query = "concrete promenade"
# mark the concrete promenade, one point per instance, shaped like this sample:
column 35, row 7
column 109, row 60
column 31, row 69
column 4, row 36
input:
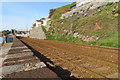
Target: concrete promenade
column 3, row 54
column 21, row 62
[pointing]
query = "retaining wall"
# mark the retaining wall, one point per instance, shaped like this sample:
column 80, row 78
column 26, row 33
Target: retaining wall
column 37, row 33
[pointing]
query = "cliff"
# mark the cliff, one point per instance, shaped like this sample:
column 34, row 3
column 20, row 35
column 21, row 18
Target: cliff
column 99, row 27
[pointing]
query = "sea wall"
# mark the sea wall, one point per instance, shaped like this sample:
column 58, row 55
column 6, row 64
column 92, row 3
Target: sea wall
column 37, row 33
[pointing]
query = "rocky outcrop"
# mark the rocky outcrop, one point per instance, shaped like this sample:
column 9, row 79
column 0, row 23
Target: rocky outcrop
column 85, row 38
column 83, row 10
column 47, row 26
column 81, row 36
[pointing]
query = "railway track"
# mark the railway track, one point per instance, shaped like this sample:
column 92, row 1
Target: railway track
column 103, row 53
column 81, row 63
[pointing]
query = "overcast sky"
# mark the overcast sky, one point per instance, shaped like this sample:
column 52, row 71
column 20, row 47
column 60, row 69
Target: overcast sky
column 21, row 15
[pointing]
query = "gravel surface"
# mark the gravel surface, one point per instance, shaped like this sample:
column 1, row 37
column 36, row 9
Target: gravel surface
column 82, row 61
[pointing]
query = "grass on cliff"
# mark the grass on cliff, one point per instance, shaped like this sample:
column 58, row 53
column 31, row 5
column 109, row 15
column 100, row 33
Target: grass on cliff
column 68, row 39
column 43, row 28
column 59, row 11
column 108, row 34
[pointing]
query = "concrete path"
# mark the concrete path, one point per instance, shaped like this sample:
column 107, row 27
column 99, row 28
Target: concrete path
column 3, row 52
column 21, row 62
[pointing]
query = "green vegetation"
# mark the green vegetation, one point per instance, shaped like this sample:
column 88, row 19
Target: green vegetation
column 68, row 39
column 106, row 20
column 59, row 11
column 5, row 32
column 109, row 3
column 34, row 25
column 110, row 41
column 43, row 28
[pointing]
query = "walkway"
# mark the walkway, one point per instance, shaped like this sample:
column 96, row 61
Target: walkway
column 21, row 62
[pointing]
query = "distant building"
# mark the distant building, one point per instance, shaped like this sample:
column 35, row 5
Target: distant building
column 45, row 21
column 38, row 23
column 20, row 33
column 81, row 2
column 41, row 22
column 83, row 8
column 37, row 31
